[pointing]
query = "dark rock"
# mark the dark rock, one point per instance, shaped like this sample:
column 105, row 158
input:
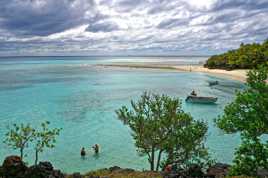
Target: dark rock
column 57, row 174
column 128, row 170
column 194, row 171
column 77, row 175
column 114, row 168
column 218, row 170
column 43, row 170
column 1, row 171
column 262, row 173
column 121, row 170
column 46, row 166
column 13, row 167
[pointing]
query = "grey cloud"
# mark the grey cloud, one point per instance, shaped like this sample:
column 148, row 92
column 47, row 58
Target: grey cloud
column 160, row 6
column 244, row 4
column 103, row 26
column 128, row 5
column 170, row 23
column 43, row 17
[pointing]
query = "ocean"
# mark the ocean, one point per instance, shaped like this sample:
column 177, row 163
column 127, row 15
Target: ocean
column 75, row 94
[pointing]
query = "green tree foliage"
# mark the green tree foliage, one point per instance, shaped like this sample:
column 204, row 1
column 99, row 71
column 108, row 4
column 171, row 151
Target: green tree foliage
column 45, row 138
column 248, row 56
column 251, row 155
column 185, row 145
column 248, row 115
column 159, row 125
column 19, row 136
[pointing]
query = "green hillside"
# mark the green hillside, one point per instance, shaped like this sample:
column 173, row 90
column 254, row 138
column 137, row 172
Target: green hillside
column 247, row 56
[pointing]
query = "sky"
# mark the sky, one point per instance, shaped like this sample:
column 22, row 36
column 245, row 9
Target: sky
column 130, row 27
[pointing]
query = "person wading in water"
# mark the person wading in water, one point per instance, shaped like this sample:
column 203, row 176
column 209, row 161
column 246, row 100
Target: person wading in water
column 83, row 152
column 96, row 148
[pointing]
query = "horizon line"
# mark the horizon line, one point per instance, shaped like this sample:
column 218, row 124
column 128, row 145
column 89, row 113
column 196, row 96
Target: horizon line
column 14, row 56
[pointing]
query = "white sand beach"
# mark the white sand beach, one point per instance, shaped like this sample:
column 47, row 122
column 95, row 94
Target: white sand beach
column 239, row 75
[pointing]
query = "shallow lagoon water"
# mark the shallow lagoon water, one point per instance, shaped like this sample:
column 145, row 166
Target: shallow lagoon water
column 81, row 98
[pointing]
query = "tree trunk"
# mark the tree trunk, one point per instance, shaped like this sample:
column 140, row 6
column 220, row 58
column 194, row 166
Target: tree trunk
column 152, row 159
column 36, row 157
column 158, row 160
column 170, row 155
column 21, row 153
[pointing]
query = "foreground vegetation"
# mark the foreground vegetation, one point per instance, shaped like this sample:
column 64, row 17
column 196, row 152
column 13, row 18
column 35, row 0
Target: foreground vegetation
column 248, row 115
column 247, row 56
column 123, row 174
column 159, row 125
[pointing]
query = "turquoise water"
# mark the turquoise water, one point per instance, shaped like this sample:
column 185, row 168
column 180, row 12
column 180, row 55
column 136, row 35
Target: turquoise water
column 80, row 97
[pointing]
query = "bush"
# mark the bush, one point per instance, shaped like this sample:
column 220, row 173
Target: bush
column 248, row 115
column 159, row 125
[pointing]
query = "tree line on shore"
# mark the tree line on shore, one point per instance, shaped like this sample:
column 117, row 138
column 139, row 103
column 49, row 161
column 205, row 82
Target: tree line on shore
column 247, row 56
column 167, row 135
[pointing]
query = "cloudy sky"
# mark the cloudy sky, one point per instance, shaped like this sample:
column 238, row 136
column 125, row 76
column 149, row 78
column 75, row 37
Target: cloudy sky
column 129, row 27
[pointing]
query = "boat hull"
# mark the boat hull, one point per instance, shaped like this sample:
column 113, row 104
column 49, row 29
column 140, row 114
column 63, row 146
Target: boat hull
column 200, row 99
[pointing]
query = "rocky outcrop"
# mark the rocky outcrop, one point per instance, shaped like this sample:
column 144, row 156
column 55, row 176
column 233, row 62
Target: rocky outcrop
column 43, row 170
column 14, row 167
column 120, row 170
column 114, row 168
column 77, row 175
column 194, row 171
column 218, row 170
column 262, row 173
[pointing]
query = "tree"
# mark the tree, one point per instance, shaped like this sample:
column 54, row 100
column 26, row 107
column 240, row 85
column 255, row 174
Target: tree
column 19, row 137
column 185, row 146
column 159, row 125
column 249, row 157
column 45, row 138
column 247, row 56
column 248, row 115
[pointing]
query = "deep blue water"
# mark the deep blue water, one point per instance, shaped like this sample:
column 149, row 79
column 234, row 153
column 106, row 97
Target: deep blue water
column 80, row 97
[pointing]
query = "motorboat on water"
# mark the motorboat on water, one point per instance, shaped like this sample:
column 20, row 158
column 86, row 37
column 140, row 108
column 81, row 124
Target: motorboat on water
column 201, row 99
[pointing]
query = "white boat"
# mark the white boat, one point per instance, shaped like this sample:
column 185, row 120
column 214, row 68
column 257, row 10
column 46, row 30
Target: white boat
column 201, row 99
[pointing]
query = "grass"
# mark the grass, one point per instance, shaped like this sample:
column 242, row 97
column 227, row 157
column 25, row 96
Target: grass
column 104, row 173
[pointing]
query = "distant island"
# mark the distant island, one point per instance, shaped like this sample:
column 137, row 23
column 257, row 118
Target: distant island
column 247, row 56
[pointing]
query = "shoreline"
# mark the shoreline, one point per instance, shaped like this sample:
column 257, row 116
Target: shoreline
column 239, row 74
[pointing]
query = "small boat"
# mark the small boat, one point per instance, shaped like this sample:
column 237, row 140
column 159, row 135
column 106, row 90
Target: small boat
column 201, row 99
column 211, row 83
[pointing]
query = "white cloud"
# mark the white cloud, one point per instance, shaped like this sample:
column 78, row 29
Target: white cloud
column 130, row 26
column 201, row 20
column 201, row 4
